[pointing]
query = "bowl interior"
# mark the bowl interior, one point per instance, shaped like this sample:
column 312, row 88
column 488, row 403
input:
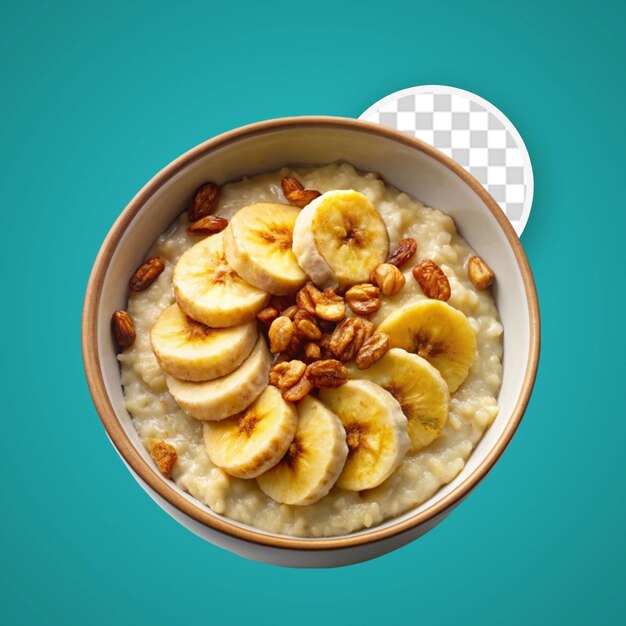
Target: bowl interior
column 403, row 165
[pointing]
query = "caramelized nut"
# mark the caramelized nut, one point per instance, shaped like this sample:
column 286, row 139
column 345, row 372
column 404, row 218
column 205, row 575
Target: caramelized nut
column 291, row 184
column 405, row 250
column 479, row 273
column 291, row 311
column 280, row 334
column 123, row 329
column 267, row 315
column 301, row 198
column 164, row 455
column 294, row 394
column 287, row 374
column 328, row 373
column 209, row 225
column 348, row 337
column 372, row 350
column 305, row 323
column 363, row 299
column 432, row 280
column 289, row 377
column 312, row 352
column 307, row 297
column 388, row 278
column 146, row 274
column 330, row 306
column 204, row 201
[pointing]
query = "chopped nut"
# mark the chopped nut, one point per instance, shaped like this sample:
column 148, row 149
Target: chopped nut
column 146, row 274
column 291, row 311
column 267, row 315
column 290, row 379
column 324, row 345
column 280, row 334
column 348, row 337
column 328, row 373
column 287, row 373
column 301, row 198
column 405, row 250
column 305, row 323
column 372, row 350
column 388, row 278
column 303, row 387
column 294, row 345
column 330, row 306
column 432, row 280
column 312, row 352
column 363, row 299
column 123, row 329
column 291, row 184
column 307, row 297
column 204, row 201
column 209, row 225
column 164, row 455
column 479, row 273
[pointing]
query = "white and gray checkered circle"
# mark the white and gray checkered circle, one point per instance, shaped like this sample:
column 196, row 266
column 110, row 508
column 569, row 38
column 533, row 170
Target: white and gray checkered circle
column 471, row 131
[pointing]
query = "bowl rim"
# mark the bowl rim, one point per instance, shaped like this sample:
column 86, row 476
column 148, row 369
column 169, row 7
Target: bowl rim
column 95, row 379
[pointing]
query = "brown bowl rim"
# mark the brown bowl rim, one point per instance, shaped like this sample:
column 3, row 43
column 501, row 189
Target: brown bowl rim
column 163, row 487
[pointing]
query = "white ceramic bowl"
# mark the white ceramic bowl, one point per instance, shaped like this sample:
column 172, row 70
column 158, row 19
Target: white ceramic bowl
column 404, row 162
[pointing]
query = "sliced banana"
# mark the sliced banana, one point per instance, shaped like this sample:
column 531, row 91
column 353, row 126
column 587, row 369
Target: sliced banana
column 257, row 244
column 252, row 442
column 313, row 461
column 418, row 387
column 192, row 351
column 208, row 289
column 222, row 397
column 437, row 332
column 339, row 238
column 376, row 432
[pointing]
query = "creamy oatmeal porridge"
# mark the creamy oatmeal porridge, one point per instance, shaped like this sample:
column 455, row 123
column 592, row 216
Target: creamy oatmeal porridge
column 448, row 409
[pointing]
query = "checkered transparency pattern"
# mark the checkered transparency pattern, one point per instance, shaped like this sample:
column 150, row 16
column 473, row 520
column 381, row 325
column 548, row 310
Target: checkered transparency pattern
column 474, row 137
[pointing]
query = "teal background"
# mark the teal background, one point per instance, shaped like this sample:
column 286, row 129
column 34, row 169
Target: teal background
column 97, row 98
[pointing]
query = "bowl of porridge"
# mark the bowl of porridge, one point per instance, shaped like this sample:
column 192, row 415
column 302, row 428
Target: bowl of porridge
column 310, row 338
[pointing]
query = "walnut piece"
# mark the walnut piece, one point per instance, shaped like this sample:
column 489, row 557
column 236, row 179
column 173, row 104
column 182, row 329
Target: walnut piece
column 312, row 352
column 363, row 299
column 372, row 350
column 432, row 280
column 267, row 315
column 388, row 278
column 164, row 455
column 289, row 377
column 348, row 337
column 405, row 250
column 326, row 305
column 204, row 201
column 146, row 274
column 306, row 326
column 291, row 184
column 123, row 329
column 479, row 273
column 280, row 334
column 328, row 373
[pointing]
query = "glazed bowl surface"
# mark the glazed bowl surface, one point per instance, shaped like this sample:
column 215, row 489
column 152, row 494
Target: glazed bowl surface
column 404, row 162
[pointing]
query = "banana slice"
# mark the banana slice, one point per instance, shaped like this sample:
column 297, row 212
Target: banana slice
column 339, row 238
column 437, row 332
column 376, row 432
column 257, row 244
column 222, row 397
column 418, row 387
column 249, row 444
column 208, row 289
column 192, row 351
column 313, row 461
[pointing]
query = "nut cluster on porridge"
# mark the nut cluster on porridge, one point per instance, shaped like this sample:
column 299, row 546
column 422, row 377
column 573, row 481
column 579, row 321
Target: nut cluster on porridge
column 311, row 360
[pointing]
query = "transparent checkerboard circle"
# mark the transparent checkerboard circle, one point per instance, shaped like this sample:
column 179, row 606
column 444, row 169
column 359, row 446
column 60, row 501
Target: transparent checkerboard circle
column 466, row 131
